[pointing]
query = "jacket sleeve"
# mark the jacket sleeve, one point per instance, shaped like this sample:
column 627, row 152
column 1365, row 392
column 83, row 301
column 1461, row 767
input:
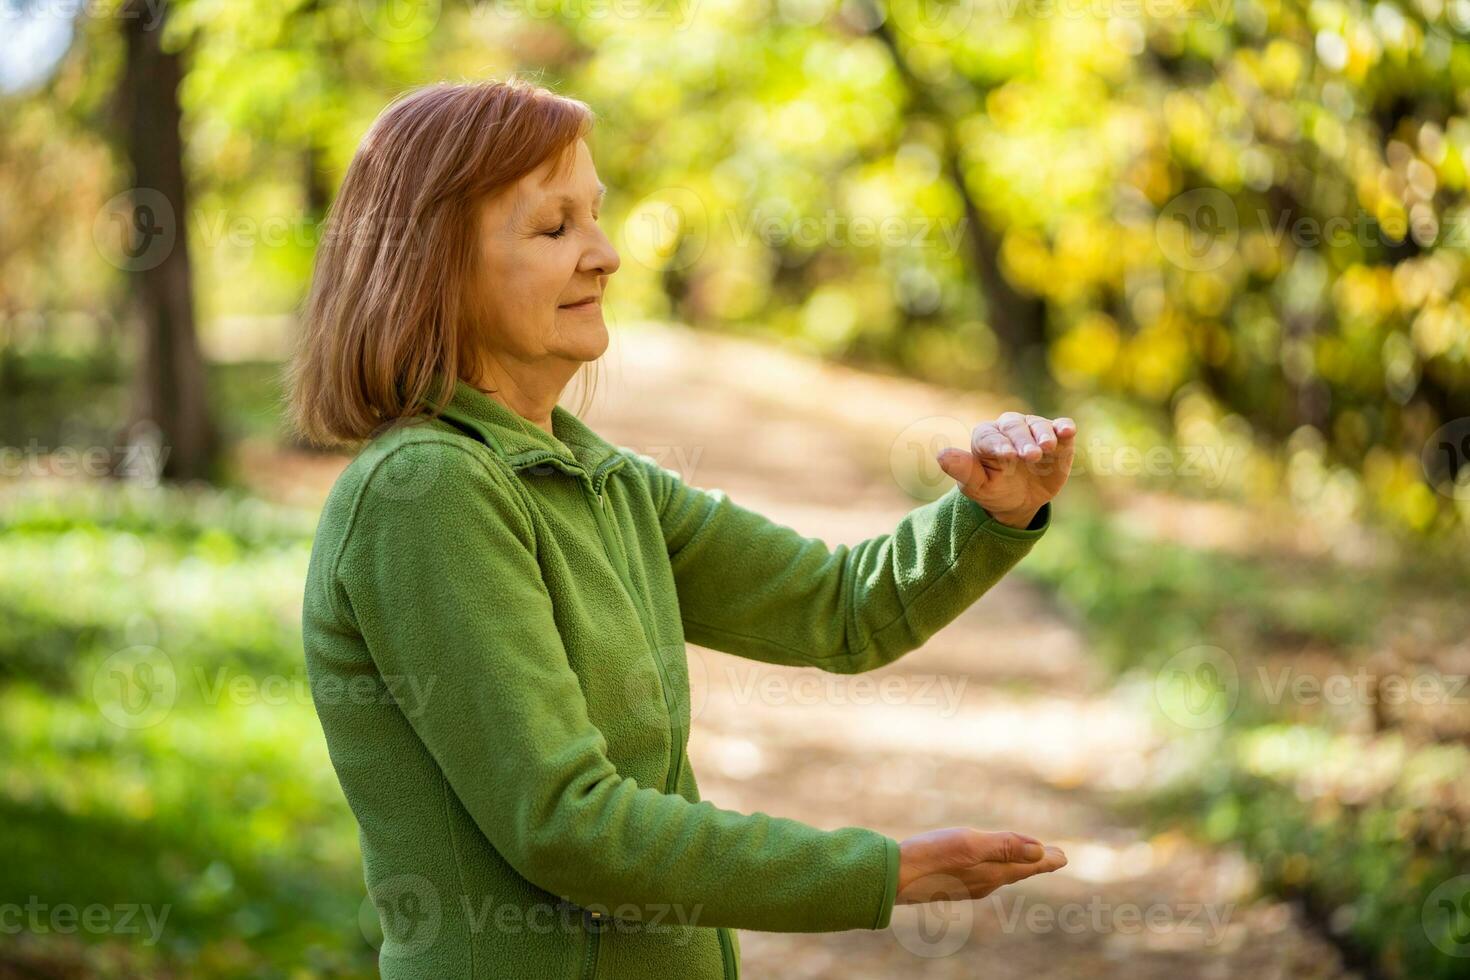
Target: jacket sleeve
column 758, row 589
column 440, row 576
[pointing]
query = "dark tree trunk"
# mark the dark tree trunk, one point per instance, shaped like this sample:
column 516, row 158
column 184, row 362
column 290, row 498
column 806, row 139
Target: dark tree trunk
column 171, row 390
column 318, row 195
column 1017, row 318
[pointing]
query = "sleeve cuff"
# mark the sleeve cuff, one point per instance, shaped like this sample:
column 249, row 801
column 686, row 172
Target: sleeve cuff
column 1030, row 532
column 890, row 883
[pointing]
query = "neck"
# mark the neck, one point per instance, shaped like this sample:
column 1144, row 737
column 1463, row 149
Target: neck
column 531, row 394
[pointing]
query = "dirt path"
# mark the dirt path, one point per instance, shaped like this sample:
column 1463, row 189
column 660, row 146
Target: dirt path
column 999, row 722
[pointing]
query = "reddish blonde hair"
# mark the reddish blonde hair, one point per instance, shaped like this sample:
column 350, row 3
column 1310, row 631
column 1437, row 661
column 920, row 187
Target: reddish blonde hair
column 386, row 313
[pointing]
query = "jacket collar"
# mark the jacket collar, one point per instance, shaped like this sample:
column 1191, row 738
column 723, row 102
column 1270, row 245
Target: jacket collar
column 521, row 443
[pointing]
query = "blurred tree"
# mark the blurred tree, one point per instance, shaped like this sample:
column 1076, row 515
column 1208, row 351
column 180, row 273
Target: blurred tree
column 171, row 381
column 1017, row 317
column 1260, row 201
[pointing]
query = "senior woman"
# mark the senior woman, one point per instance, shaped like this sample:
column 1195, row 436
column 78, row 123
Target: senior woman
column 498, row 598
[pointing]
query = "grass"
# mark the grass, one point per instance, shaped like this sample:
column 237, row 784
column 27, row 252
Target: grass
column 216, row 806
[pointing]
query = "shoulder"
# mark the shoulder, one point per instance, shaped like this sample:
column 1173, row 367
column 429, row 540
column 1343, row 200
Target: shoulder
column 422, row 462
column 421, row 475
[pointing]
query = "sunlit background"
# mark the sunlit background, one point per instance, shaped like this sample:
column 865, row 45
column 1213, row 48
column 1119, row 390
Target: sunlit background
column 1229, row 237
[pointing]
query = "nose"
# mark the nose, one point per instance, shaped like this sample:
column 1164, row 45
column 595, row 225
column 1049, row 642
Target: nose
column 599, row 258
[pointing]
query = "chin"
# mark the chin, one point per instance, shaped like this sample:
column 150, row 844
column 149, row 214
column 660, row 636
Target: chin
column 588, row 340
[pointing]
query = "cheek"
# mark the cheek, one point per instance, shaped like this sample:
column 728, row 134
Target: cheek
column 505, row 281
column 552, row 270
column 522, row 283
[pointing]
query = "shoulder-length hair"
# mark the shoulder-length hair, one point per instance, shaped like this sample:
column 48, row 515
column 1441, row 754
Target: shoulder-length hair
column 387, row 318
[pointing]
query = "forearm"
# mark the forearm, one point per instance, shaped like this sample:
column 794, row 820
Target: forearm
column 636, row 853
column 759, row 589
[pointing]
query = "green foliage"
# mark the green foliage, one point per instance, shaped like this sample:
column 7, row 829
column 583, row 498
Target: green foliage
column 222, row 813
column 1361, row 815
column 1262, row 200
column 1365, row 854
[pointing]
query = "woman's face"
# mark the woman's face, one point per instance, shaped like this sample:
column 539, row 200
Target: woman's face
column 544, row 264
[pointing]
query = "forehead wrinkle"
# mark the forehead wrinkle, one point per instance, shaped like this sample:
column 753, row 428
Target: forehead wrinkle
column 566, row 200
column 526, row 206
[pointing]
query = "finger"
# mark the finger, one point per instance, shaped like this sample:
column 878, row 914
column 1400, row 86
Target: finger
column 991, row 445
column 1066, row 431
column 1054, row 859
column 1051, row 860
column 966, row 470
column 984, row 878
column 1041, row 431
column 1005, row 847
column 1013, row 424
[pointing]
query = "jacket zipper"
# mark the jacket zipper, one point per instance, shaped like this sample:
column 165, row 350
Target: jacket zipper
column 613, row 542
column 619, row 559
column 727, row 955
column 602, row 517
column 594, row 943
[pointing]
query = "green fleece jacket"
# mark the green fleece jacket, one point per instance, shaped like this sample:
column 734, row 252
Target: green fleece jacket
column 495, row 623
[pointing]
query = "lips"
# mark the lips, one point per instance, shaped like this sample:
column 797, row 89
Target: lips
column 581, row 304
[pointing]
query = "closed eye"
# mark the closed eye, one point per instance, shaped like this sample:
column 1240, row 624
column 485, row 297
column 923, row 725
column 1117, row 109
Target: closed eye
column 560, row 230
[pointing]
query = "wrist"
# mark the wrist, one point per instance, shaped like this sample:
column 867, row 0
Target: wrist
column 1020, row 519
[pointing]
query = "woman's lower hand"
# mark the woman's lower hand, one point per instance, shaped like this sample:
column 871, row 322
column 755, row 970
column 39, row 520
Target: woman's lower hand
column 960, row 862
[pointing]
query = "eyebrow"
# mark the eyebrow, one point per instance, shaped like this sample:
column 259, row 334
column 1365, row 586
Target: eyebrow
column 566, row 200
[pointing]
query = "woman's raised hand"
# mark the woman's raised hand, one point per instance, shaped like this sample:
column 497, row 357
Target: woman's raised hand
column 959, row 862
column 1014, row 464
